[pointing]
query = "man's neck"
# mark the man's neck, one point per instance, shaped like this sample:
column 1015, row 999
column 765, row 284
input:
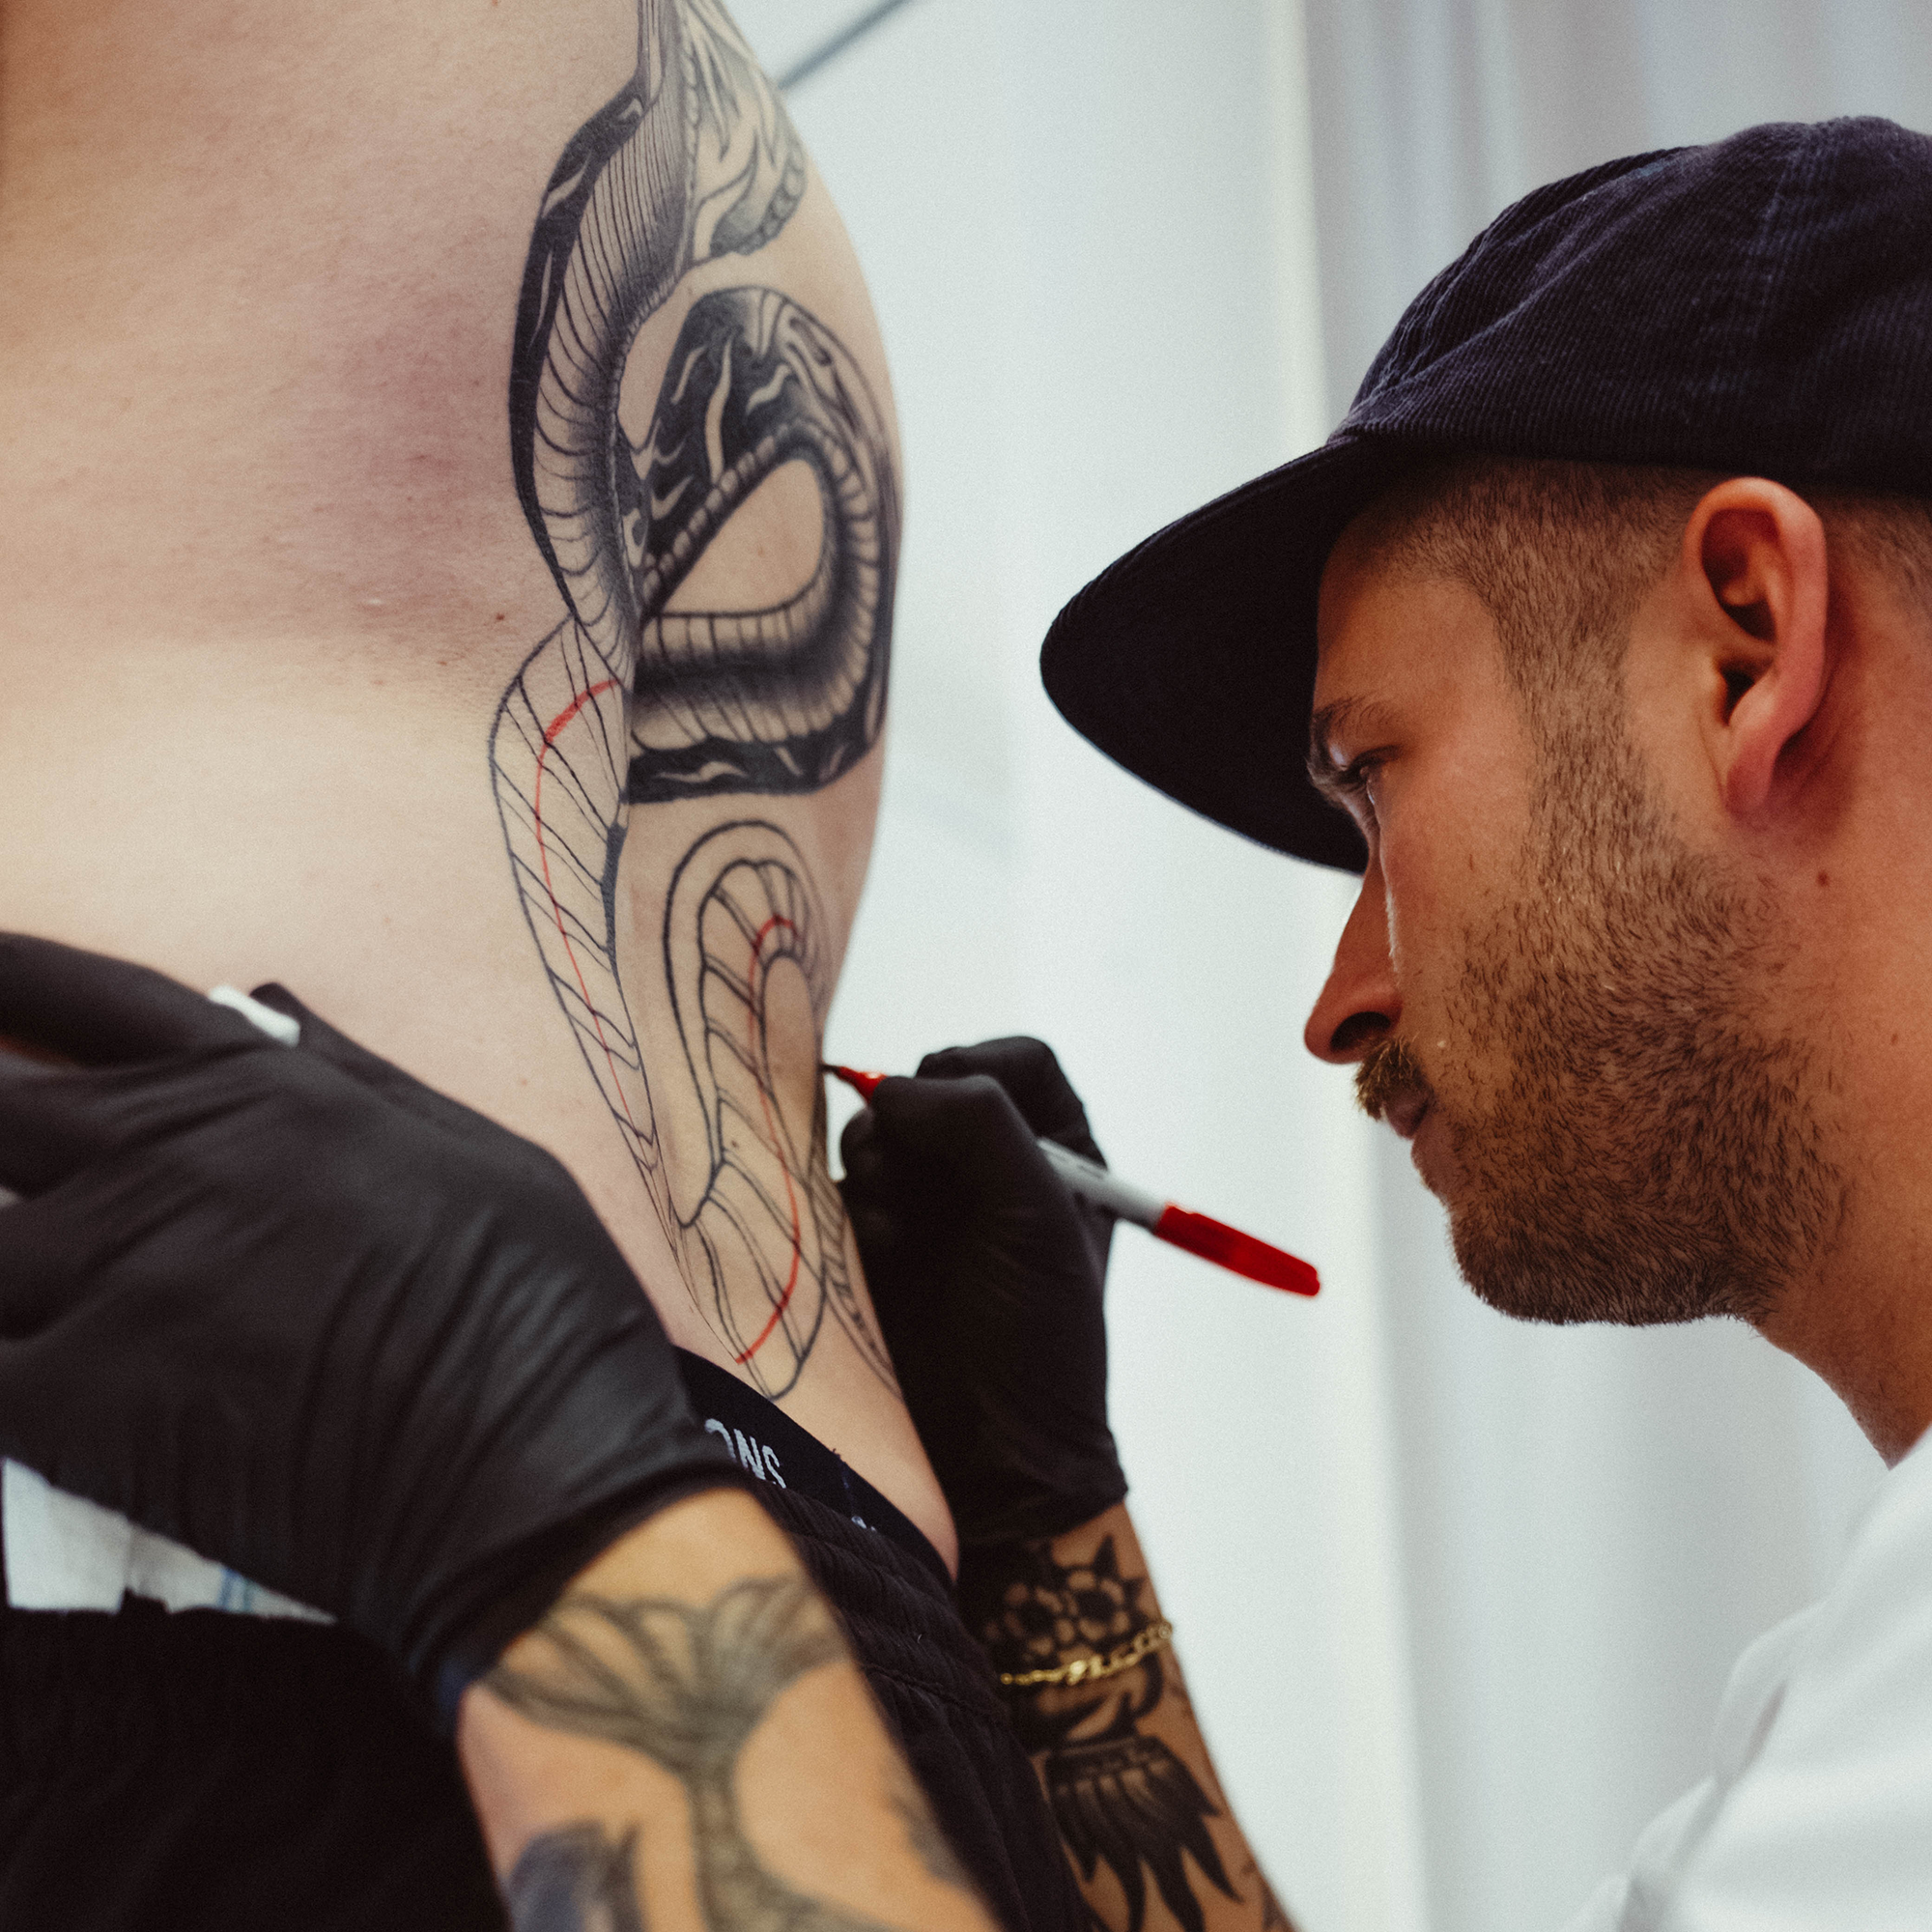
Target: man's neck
column 1859, row 900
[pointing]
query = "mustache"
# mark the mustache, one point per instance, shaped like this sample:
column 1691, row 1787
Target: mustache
column 1390, row 1071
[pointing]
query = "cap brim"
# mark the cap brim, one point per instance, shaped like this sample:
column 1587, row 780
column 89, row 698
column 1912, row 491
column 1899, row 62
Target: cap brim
column 1192, row 661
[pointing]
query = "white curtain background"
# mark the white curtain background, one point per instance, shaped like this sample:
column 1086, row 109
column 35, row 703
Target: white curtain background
column 1594, row 1523
column 1457, row 1597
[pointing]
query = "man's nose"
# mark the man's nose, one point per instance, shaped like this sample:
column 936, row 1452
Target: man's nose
column 1360, row 1004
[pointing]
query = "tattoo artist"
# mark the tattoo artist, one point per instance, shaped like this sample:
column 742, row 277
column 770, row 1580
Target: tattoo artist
column 328, row 1327
column 1605, row 616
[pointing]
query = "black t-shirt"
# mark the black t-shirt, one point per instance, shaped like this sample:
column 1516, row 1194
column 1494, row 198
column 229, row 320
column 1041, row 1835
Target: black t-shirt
column 230, row 1774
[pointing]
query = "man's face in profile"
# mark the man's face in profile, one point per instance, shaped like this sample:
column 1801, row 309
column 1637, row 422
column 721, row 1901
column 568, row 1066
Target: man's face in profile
column 1563, row 1007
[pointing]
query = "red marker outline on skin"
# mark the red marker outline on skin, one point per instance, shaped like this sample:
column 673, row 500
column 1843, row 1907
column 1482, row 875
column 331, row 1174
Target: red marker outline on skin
column 1199, row 1233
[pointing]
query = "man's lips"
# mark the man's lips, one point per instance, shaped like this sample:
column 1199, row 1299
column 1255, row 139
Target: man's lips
column 1405, row 1113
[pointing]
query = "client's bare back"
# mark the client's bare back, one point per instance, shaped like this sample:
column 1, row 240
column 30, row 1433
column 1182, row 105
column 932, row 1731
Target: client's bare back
column 633, row 701
column 461, row 586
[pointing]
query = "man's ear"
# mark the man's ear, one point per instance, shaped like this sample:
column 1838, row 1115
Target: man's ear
column 1755, row 565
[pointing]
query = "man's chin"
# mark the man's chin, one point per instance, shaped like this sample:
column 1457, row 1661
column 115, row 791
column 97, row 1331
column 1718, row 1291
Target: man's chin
column 1525, row 1288
column 1512, row 1254
column 1510, row 1244
column 1523, row 1267
column 1433, row 1150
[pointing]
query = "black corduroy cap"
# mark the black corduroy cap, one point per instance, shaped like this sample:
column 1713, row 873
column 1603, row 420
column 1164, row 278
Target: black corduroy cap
column 1761, row 306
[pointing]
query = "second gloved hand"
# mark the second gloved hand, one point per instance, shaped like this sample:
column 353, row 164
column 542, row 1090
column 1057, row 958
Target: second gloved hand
column 315, row 1321
column 987, row 1276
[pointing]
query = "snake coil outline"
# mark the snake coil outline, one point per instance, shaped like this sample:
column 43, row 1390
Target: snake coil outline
column 628, row 704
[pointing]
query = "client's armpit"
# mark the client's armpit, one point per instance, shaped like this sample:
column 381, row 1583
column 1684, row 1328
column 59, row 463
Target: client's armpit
column 628, row 704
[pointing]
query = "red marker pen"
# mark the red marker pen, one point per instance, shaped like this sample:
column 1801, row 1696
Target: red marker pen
column 1199, row 1233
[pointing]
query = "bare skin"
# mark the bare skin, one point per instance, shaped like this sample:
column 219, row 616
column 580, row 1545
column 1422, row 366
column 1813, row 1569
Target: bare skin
column 266, row 579
column 1777, row 695
column 702, row 1795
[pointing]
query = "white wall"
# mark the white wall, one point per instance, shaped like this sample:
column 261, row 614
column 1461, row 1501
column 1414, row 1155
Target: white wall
column 1457, row 1596
column 1089, row 239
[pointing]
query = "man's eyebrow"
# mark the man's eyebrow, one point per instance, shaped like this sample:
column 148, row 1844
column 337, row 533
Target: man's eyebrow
column 1322, row 729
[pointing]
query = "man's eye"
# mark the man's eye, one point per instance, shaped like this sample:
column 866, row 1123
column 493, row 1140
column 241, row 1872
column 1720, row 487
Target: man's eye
column 1356, row 781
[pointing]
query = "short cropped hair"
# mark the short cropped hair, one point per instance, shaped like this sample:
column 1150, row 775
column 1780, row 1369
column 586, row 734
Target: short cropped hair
column 1562, row 554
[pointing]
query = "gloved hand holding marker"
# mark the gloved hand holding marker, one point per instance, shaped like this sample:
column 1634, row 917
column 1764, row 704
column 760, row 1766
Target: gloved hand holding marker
column 1199, row 1233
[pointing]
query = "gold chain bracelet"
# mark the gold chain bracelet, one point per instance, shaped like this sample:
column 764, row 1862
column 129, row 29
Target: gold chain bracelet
column 1085, row 1669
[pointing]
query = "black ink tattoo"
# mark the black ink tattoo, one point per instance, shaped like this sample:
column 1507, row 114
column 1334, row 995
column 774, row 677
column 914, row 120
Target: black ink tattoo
column 740, row 905
column 629, row 703
column 687, row 1688
column 1119, row 1798
column 575, row 1879
column 775, row 700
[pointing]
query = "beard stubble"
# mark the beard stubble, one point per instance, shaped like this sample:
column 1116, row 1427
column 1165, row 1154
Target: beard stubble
column 1649, row 1150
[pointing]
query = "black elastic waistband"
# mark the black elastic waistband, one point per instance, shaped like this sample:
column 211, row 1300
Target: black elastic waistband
column 772, row 1447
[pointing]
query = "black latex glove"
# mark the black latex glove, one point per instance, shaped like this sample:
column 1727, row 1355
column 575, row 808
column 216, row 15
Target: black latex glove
column 310, row 1317
column 987, row 1276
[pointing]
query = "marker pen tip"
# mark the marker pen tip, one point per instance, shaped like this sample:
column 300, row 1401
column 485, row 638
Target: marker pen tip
column 1199, row 1233
column 862, row 1083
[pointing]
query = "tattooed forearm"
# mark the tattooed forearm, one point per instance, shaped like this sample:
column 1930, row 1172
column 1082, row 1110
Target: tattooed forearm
column 687, row 1688
column 1119, row 1797
column 1127, row 1802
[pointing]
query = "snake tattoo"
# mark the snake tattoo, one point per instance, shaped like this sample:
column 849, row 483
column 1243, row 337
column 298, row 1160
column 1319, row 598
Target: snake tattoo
column 629, row 703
